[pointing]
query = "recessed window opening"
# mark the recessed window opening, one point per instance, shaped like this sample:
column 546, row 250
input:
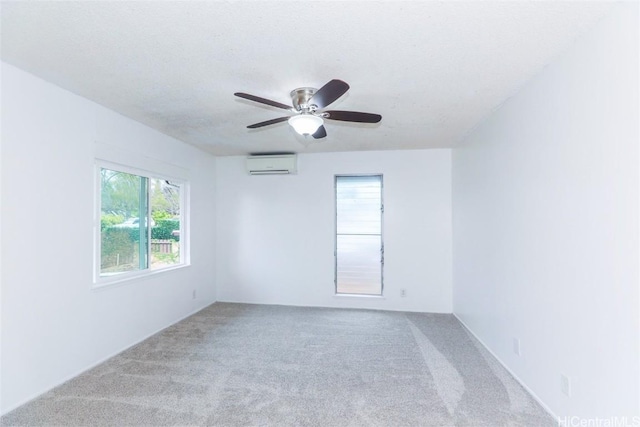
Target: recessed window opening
column 359, row 253
column 141, row 223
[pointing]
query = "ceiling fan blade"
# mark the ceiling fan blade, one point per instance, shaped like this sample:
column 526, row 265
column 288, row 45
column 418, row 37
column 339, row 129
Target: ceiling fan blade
column 262, row 100
column 268, row 122
column 352, row 116
column 320, row 133
column 329, row 93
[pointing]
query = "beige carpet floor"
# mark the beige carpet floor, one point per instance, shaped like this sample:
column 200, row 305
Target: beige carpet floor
column 257, row 365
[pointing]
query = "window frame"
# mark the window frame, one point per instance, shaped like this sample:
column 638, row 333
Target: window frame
column 99, row 280
column 335, row 236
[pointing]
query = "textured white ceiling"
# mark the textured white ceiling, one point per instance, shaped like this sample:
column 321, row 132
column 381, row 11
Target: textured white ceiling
column 434, row 70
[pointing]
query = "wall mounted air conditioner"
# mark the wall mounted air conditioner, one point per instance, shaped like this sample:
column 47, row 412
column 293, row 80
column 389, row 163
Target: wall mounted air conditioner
column 271, row 164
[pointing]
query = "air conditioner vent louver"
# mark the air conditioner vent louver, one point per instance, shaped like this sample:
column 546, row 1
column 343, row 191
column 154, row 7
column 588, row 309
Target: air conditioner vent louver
column 280, row 164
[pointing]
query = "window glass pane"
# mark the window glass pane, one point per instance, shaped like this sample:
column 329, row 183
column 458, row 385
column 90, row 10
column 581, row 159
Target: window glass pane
column 123, row 225
column 359, row 234
column 358, row 264
column 358, row 201
column 165, row 231
column 141, row 223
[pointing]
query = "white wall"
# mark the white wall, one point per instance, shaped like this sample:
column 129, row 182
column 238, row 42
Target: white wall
column 276, row 233
column 53, row 324
column 545, row 201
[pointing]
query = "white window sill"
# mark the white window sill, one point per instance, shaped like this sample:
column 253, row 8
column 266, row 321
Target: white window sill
column 117, row 279
column 359, row 296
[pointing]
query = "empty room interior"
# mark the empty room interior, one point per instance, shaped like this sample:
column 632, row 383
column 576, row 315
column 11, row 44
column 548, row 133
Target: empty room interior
column 320, row 213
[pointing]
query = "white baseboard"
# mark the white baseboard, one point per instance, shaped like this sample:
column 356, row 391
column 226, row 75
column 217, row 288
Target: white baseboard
column 83, row 370
column 522, row 383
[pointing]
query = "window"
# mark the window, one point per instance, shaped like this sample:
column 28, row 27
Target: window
column 141, row 223
column 359, row 247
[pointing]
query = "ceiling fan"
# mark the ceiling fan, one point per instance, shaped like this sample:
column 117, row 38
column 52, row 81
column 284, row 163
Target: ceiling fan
column 307, row 103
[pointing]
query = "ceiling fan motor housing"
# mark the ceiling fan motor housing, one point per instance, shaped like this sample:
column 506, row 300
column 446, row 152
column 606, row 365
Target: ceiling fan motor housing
column 300, row 98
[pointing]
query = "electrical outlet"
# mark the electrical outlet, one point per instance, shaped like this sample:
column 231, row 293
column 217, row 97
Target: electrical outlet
column 193, row 296
column 565, row 385
column 516, row 346
column 403, row 293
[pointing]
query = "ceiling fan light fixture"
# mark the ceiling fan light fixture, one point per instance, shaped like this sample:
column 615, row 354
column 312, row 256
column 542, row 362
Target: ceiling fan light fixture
column 306, row 124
